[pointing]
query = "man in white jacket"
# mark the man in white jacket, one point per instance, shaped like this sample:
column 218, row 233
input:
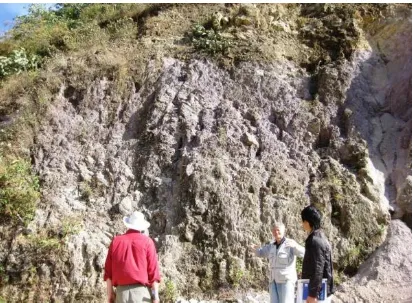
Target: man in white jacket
column 282, row 253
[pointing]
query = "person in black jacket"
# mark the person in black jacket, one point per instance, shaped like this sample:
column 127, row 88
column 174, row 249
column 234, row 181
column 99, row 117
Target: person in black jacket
column 317, row 263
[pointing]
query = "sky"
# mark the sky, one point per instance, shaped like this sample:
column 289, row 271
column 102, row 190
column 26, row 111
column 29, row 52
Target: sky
column 8, row 11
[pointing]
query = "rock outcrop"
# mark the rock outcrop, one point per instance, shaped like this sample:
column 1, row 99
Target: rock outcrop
column 381, row 108
column 213, row 157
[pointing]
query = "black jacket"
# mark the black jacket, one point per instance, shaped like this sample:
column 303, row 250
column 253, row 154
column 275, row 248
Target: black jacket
column 317, row 263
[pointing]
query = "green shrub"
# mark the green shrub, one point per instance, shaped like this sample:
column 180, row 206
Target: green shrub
column 170, row 292
column 103, row 13
column 86, row 36
column 52, row 239
column 71, row 12
column 17, row 62
column 40, row 32
column 44, row 32
column 209, row 40
column 19, row 189
column 236, row 272
column 354, row 256
column 339, row 277
column 43, row 243
column 71, row 226
column 236, row 276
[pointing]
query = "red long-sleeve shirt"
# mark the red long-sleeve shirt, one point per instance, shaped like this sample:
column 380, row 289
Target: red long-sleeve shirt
column 132, row 259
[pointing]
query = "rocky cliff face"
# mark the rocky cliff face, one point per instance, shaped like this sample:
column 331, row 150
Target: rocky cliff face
column 381, row 110
column 388, row 269
column 213, row 157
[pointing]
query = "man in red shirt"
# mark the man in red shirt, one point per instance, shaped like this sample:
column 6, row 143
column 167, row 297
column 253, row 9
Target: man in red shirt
column 132, row 264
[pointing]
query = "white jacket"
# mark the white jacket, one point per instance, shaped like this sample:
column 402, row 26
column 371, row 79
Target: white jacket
column 282, row 260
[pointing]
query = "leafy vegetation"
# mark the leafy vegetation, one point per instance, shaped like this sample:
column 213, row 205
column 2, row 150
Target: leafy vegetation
column 17, row 62
column 236, row 276
column 169, row 293
column 54, row 238
column 66, row 27
column 241, row 31
column 355, row 256
column 70, row 226
column 91, row 189
column 19, row 189
column 209, row 40
column 236, row 272
column 339, row 277
column 43, row 243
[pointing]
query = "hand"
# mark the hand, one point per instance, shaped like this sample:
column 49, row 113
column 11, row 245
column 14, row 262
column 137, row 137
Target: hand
column 311, row 300
column 112, row 298
column 155, row 299
column 254, row 247
column 291, row 243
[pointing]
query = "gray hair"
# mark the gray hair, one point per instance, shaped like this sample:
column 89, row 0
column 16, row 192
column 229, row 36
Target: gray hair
column 280, row 225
